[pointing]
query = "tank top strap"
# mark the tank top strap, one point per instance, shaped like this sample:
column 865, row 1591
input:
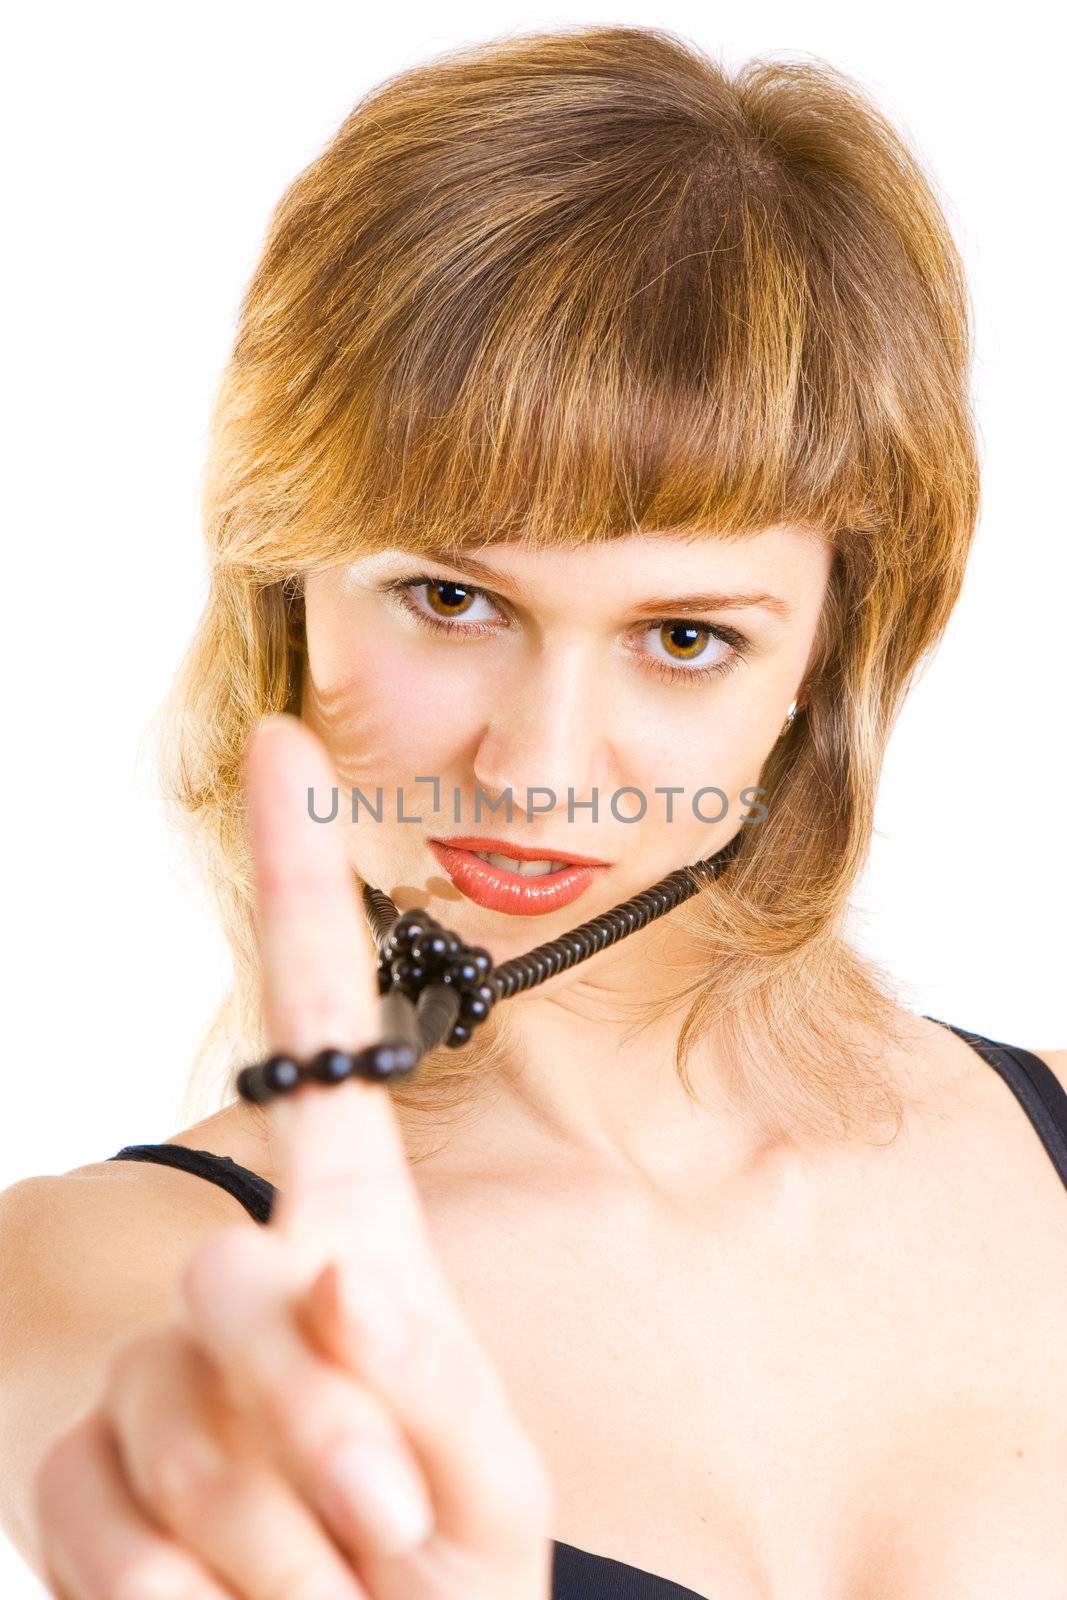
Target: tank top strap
column 1033, row 1083
column 254, row 1192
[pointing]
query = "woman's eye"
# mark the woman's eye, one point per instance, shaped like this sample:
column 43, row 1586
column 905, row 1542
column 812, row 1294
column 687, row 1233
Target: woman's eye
column 441, row 600
column 683, row 642
column 682, row 649
column 449, row 599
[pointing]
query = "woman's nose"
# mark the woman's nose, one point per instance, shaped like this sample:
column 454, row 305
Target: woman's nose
column 548, row 730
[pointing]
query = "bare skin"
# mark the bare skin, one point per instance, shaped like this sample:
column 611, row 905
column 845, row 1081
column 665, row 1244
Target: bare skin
column 836, row 1380
column 754, row 1370
column 840, row 1380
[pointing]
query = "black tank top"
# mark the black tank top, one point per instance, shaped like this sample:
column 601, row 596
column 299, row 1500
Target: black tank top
column 579, row 1574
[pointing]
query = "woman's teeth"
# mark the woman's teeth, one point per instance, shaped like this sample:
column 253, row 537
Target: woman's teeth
column 526, row 869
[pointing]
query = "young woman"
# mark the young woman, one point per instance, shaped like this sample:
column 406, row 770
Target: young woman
column 592, row 473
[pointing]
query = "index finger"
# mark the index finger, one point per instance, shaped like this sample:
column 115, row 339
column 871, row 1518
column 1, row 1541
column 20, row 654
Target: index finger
column 338, row 1148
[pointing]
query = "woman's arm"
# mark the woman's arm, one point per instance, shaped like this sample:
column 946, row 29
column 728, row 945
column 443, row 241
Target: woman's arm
column 87, row 1259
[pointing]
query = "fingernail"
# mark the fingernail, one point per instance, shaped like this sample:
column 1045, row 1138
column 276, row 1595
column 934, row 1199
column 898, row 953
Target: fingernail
column 382, row 1493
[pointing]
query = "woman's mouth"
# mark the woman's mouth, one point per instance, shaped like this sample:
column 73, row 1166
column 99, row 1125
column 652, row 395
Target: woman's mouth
column 526, row 888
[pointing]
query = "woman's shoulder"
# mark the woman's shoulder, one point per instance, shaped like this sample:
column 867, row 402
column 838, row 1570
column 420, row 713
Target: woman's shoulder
column 1055, row 1060
column 238, row 1132
column 125, row 1204
column 147, row 1188
column 1035, row 1074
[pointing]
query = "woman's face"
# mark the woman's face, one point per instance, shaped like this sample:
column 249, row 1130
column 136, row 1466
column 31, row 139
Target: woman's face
column 643, row 664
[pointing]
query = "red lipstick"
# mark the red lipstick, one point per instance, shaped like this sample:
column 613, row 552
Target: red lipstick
column 497, row 889
column 520, row 852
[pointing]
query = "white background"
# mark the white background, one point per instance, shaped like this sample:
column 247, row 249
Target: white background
column 146, row 149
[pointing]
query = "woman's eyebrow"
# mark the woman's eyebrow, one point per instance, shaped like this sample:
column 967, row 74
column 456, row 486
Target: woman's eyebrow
column 673, row 605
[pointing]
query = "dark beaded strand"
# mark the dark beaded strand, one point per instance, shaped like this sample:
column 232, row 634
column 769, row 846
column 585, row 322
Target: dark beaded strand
column 387, row 1059
column 435, row 989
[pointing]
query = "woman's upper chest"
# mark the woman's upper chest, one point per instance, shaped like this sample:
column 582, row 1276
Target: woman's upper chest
column 828, row 1392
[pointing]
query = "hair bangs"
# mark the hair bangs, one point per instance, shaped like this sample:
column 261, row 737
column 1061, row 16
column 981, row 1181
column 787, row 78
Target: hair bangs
column 612, row 389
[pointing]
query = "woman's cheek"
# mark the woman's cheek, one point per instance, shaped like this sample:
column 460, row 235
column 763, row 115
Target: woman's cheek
column 428, row 716
column 390, row 724
column 699, row 770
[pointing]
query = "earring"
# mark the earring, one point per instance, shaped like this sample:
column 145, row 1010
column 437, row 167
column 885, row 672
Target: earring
column 789, row 716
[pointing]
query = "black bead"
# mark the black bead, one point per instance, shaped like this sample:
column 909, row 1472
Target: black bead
column 459, row 1035
column 330, row 1066
column 406, row 971
column 388, row 1058
column 473, row 1008
column 251, row 1086
column 281, row 1074
column 431, row 948
column 481, row 958
column 462, row 972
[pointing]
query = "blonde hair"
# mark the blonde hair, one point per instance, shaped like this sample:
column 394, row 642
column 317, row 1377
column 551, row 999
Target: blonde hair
column 560, row 287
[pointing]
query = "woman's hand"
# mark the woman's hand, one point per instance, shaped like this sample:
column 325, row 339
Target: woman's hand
column 318, row 1422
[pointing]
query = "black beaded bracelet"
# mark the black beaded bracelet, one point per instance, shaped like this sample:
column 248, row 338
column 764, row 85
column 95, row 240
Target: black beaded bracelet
column 435, row 989
column 281, row 1074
